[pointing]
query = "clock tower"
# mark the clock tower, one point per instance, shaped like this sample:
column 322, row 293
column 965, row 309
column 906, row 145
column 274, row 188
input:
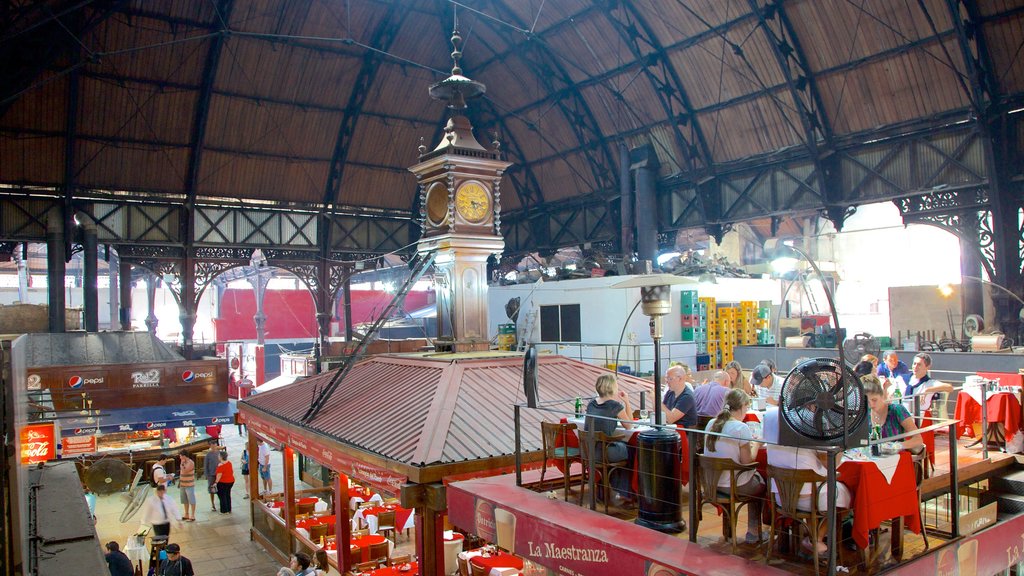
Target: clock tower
column 459, row 188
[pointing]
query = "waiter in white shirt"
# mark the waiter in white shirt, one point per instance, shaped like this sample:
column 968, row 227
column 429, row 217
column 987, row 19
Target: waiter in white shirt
column 159, row 511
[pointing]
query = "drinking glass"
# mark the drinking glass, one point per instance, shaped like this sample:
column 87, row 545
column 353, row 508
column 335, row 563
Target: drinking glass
column 645, row 415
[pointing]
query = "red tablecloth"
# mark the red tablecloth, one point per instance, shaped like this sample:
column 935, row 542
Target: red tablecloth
column 313, row 521
column 401, row 514
column 279, row 503
column 407, row 569
column 1003, row 407
column 569, row 439
column 752, row 417
column 364, row 493
column 364, row 543
column 499, row 560
column 875, row 500
column 455, row 536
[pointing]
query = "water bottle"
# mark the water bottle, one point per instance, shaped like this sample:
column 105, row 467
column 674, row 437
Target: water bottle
column 897, row 394
column 874, row 437
column 579, row 406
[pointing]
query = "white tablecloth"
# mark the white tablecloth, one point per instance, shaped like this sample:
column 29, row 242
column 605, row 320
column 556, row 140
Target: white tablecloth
column 136, row 550
column 355, row 501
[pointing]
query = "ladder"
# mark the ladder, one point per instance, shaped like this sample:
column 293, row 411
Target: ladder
column 531, row 320
column 420, row 265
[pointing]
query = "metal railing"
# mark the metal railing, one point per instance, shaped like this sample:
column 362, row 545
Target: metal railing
column 638, row 357
column 556, row 410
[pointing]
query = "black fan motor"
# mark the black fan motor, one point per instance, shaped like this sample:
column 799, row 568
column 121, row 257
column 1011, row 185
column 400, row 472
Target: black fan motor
column 812, row 406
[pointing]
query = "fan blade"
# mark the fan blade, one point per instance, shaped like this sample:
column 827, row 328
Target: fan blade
column 819, row 416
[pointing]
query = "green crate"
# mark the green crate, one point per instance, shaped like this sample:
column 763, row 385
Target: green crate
column 688, row 297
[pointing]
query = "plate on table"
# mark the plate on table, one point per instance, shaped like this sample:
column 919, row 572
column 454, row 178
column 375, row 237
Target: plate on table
column 405, row 567
column 858, row 454
column 890, row 448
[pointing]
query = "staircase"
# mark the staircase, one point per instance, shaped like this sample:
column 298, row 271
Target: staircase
column 420, row 264
column 1007, row 490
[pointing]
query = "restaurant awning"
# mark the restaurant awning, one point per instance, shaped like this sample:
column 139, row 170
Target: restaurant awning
column 147, row 418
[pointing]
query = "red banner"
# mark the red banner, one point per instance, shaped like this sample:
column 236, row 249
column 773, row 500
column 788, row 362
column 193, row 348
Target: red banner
column 74, row 445
column 991, row 551
column 38, row 443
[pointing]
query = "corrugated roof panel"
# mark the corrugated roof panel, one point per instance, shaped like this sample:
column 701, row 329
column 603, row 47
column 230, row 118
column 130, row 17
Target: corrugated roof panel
column 386, row 405
column 82, row 348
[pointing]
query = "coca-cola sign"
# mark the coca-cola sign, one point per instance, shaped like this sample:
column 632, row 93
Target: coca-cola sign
column 37, row 444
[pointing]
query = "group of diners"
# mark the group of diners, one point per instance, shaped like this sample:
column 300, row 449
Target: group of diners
column 724, row 402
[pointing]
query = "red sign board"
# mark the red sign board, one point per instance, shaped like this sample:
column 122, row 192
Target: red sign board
column 990, row 551
column 38, row 443
column 74, row 445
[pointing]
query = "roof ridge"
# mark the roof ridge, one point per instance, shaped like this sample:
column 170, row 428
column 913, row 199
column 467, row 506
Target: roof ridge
column 439, row 415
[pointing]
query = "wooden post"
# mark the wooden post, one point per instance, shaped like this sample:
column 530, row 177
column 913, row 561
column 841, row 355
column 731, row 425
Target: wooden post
column 430, row 503
column 288, row 456
column 342, row 526
column 254, row 473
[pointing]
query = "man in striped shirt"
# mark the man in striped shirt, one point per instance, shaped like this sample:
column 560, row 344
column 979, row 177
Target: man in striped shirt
column 187, row 487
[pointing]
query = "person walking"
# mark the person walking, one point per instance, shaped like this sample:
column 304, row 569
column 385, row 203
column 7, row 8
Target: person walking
column 225, row 480
column 117, row 562
column 210, row 463
column 159, row 511
column 187, row 487
column 177, row 565
column 245, row 471
column 263, row 458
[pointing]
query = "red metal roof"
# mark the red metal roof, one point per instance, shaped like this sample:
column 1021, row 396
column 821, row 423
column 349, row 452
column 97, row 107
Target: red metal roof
column 422, row 410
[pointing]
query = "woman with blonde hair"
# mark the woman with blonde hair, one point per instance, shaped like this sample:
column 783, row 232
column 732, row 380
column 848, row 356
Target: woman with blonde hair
column 605, row 413
column 739, row 381
column 737, row 445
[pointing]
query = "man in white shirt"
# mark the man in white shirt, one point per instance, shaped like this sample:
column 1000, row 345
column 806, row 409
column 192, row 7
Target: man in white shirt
column 922, row 384
column 263, row 458
column 159, row 511
column 160, row 475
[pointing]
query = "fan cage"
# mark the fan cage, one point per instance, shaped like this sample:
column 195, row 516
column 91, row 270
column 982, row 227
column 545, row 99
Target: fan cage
column 811, row 401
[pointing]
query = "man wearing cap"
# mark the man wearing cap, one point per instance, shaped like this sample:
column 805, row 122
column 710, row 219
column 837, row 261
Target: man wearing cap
column 761, row 378
column 177, row 565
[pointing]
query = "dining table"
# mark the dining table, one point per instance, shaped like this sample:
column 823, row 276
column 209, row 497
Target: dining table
column 318, row 505
column 498, row 563
column 1000, row 407
column 404, row 518
column 403, row 569
column 881, row 488
column 361, row 544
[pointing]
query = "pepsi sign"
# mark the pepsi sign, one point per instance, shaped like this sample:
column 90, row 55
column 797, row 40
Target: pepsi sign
column 189, row 375
column 75, row 382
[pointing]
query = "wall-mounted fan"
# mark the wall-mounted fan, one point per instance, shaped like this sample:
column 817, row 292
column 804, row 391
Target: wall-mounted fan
column 812, row 405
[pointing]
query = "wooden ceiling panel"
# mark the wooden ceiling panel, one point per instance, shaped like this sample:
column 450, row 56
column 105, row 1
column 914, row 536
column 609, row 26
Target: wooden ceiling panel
column 130, row 167
column 713, row 72
column 639, row 106
column 149, row 48
column 135, row 112
column 513, row 85
column 994, row 7
column 236, row 176
column 286, row 73
column 576, row 51
column 1005, row 39
column 917, row 84
column 403, row 91
column 246, row 126
column 384, row 142
column 42, row 108
column 676, row 21
column 537, row 15
column 394, row 189
column 32, row 160
column 564, row 177
column 835, row 32
column 753, row 127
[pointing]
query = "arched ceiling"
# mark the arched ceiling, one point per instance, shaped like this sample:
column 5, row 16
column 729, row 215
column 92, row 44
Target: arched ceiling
column 323, row 102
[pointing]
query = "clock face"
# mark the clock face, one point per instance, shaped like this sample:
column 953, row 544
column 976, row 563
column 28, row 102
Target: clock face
column 473, row 202
column 437, row 203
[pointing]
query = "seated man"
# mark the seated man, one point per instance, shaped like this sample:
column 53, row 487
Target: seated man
column 710, row 396
column 766, row 383
column 892, row 367
column 794, row 458
column 678, row 405
column 922, row 384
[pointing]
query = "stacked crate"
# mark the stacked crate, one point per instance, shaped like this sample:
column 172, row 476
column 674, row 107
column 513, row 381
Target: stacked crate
column 726, row 330
column 746, row 323
column 710, row 310
column 764, row 316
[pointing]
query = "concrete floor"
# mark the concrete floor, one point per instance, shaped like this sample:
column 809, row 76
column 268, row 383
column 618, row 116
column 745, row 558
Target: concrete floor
column 215, row 543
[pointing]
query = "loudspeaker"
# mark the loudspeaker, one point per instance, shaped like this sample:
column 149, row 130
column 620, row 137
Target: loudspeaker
column 530, row 376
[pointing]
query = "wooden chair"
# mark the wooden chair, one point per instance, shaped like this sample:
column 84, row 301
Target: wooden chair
column 550, row 432
column 358, row 533
column 305, row 508
column 380, row 552
column 366, row 566
column 386, row 524
column 396, row 560
column 921, row 464
column 596, row 444
column 708, row 492
column 318, row 531
column 702, row 425
column 476, row 570
column 789, row 483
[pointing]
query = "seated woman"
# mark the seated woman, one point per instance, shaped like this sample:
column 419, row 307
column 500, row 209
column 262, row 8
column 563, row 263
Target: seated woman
column 794, row 458
column 604, row 414
column 739, row 381
column 740, row 449
column 893, row 417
